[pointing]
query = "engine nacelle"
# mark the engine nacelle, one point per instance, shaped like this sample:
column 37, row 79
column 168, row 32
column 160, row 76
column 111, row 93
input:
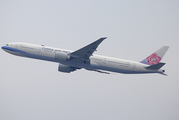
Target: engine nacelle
column 62, row 57
column 65, row 68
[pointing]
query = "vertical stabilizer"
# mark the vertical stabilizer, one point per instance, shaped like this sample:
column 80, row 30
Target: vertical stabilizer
column 155, row 57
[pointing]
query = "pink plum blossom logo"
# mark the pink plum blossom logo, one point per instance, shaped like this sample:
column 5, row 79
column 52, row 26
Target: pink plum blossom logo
column 153, row 59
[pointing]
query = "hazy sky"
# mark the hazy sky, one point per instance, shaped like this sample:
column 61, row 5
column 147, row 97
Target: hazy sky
column 35, row 90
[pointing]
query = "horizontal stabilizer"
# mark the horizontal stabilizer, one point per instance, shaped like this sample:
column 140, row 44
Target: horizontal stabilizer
column 163, row 74
column 156, row 66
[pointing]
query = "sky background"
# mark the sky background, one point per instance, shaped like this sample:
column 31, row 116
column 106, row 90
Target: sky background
column 35, row 90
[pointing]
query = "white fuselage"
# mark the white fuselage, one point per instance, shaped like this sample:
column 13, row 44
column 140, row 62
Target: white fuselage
column 97, row 62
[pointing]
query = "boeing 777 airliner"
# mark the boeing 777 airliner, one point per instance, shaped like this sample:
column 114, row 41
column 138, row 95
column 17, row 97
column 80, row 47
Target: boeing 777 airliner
column 84, row 58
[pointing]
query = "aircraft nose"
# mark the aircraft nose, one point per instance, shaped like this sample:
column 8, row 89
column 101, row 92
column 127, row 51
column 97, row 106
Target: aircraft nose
column 3, row 47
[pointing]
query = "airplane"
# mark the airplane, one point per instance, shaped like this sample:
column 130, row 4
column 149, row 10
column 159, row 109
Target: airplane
column 70, row 61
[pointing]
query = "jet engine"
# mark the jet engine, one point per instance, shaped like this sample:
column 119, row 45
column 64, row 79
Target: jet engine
column 65, row 68
column 62, row 57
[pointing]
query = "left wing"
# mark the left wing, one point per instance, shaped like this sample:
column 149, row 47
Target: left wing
column 87, row 51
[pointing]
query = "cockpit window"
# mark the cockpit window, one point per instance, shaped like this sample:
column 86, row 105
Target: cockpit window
column 7, row 44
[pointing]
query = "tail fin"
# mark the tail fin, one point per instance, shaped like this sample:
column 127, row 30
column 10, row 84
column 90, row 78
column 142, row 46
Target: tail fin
column 156, row 57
